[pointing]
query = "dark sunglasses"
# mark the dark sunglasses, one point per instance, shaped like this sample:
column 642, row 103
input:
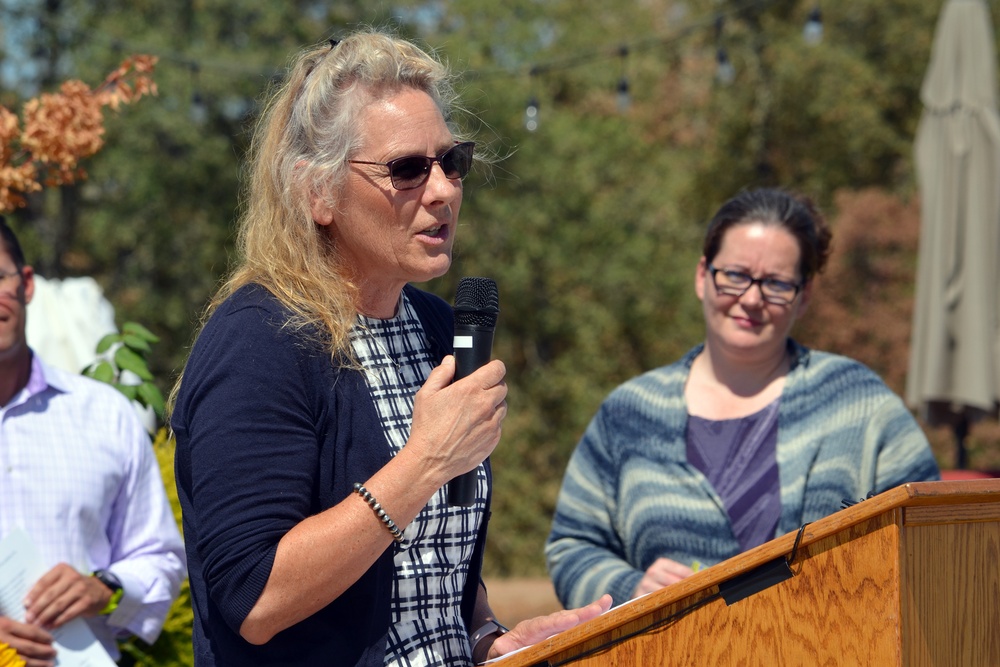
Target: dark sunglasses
column 412, row 171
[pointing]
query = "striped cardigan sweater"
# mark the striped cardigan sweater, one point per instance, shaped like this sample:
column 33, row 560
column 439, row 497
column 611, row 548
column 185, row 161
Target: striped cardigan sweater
column 630, row 496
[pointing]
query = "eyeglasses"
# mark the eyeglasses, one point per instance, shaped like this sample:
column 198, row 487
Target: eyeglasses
column 412, row 171
column 737, row 283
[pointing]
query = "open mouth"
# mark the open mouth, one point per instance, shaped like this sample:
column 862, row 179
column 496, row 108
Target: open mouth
column 441, row 231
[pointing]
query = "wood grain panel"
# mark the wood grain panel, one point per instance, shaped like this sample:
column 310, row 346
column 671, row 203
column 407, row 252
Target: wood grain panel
column 951, row 595
column 941, row 514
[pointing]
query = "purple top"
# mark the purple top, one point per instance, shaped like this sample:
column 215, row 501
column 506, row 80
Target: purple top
column 738, row 458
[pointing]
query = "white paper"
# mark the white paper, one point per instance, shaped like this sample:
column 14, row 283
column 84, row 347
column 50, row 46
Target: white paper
column 507, row 655
column 19, row 570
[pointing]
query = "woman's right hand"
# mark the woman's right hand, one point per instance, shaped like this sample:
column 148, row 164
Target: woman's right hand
column 662, row 572
column 456, row 425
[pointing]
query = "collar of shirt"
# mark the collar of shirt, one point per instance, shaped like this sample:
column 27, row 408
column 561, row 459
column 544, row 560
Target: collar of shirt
column 38, row 381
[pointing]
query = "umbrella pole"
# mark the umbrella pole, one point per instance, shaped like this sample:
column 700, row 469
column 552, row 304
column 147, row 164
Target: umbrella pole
column 961, row 430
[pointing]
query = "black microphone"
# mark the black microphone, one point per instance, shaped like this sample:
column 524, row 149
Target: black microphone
column 477, row 305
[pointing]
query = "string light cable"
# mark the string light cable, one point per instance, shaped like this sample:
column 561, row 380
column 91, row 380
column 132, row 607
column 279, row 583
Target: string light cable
column 237, row 67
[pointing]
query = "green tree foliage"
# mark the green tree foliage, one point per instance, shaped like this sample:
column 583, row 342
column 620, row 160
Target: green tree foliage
column 591, row 224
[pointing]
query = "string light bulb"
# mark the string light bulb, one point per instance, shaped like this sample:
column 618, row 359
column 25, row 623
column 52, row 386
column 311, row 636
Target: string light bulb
column 812, row 32
column 623, row 98
column 724, row 71
column 531, row 115
column 198, row 111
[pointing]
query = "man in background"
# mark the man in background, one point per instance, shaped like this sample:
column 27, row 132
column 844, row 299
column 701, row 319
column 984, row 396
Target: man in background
column 79, row 476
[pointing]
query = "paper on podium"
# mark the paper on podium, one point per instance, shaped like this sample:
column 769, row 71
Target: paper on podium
column 20, row 568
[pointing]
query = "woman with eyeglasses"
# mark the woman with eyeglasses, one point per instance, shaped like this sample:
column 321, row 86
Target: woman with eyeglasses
column 317, row 420
column 744, row 439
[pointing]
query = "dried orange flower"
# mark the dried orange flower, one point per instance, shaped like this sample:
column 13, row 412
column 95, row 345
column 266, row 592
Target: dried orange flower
column 61, row 129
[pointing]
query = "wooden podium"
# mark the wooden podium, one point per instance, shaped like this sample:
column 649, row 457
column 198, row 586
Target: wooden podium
column 909, row 577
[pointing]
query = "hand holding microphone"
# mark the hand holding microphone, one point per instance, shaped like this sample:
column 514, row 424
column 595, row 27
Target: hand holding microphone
column 477, row 305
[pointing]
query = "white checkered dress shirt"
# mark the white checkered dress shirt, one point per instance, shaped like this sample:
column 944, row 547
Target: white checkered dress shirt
column 78, row 474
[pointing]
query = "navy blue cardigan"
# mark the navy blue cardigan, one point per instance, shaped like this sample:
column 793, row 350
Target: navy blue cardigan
column 269, row 432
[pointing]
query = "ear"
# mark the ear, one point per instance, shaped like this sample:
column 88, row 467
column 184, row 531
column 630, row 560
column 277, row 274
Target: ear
column 28, row 283
column 701, row 278
column 320, row 208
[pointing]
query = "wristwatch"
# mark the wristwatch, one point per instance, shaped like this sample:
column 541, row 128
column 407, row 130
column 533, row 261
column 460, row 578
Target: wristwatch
column 111, row 581
column 491, row 627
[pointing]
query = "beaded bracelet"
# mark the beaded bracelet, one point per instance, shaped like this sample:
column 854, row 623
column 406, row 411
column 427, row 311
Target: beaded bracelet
column 390, row 525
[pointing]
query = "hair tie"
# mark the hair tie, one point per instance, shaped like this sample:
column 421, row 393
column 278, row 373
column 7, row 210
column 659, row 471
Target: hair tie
column 333, row 43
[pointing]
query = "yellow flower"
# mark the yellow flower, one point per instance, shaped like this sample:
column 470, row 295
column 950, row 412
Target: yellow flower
column 8, row 657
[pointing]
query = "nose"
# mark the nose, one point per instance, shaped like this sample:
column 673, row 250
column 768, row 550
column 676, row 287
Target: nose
column 441, row 188
column 754, row 296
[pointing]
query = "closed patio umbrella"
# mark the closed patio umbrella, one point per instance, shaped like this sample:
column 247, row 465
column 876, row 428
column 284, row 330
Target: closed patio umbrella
column 954, row 371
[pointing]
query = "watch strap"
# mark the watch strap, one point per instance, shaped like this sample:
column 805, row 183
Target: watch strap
column 112, row 582
column 488, row 629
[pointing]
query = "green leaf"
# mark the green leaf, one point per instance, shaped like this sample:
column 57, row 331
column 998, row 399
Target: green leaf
column 136, row 329
column 151, row 396
column 105, row 343
column 128, row 360
column 136, row 342
column 102, row 372
column 130, row 390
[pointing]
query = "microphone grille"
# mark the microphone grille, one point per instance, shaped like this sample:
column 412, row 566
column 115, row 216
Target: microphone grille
column 477, row 302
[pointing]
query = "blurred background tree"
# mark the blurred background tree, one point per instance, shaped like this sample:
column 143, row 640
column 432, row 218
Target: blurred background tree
column 649, row 115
